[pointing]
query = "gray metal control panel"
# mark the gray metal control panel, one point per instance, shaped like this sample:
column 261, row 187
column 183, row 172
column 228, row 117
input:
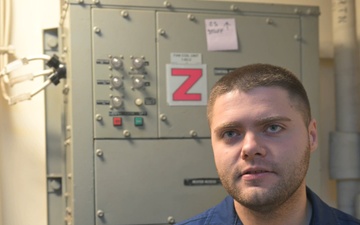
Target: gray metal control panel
column 137, row 143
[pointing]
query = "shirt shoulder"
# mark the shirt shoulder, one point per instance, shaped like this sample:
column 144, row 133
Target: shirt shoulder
column 198, row 219
column 325, row 214
column 345, row 219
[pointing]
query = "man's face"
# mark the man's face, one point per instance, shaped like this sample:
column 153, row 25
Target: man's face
column 261, row 146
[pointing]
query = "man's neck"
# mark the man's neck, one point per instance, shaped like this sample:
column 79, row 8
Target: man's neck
column 295, row 211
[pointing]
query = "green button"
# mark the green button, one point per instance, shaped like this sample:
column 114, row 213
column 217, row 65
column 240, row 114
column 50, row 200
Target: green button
column 138, row 121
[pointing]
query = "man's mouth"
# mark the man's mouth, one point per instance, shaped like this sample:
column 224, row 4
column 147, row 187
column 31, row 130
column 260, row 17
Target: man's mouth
column 255, row 171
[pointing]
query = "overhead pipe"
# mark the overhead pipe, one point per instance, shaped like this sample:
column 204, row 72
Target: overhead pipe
column 345, row 141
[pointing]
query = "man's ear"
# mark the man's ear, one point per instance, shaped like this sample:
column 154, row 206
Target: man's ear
column 313, row 135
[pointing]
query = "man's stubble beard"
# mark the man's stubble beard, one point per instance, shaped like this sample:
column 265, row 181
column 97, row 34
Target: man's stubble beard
column 266, row 200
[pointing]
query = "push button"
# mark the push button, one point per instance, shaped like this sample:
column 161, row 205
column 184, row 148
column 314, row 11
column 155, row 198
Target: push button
column 117, row 121
column 138, row 121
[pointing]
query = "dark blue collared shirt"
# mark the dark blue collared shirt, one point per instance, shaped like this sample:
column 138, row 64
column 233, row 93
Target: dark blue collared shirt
column 224, row 214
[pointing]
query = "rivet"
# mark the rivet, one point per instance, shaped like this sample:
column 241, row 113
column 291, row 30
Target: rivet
column 97, row 30
column 234, row 8
column 191, row 17
column 269, row 21
column 100, row 213
column 193, row 133
column 161, row 32
column 99, row 152
column 125, row 13
column 163, row 117
column 171, row 220
column 98, row 117
column 167, row 4
column 126, row 133
column 297, row 11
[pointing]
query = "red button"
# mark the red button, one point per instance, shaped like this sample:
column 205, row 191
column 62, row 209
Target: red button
column 117, row 121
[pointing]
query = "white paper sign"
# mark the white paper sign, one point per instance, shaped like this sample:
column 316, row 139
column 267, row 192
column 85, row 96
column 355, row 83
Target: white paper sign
column 221, row 34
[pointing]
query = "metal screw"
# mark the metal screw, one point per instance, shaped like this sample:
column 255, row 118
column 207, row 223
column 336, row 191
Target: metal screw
column 269, row 21
column 191, row 17
column 98, row 117
column 99, row 152
column 193, row 133
column 80, row 1
column 126, row 133
column 100, row 213
column 297, row 37
column 96, row 1
column 125, row 13
column 234, row 8
column 163, row 117
column 97, row 30
column 167, row 4
column 171, row 220
column 161, row 32
column 297, row 11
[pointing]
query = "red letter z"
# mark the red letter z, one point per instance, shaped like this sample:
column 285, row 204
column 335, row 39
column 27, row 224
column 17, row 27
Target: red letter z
column 181, row 93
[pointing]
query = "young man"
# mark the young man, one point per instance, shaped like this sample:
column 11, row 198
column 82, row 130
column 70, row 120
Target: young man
column 262, row 134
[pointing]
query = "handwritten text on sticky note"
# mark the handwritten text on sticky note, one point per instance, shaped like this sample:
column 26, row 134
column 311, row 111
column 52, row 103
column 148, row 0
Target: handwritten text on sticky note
column 221, row 34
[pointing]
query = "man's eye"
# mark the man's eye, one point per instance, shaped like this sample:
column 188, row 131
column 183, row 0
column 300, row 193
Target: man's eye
column 229, row 134
column 273, row 128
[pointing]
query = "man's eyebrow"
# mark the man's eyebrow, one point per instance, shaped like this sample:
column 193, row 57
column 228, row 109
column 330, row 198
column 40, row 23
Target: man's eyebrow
column 271, row 119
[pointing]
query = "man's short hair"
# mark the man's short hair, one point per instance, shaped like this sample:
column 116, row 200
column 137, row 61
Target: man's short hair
column 252, row 76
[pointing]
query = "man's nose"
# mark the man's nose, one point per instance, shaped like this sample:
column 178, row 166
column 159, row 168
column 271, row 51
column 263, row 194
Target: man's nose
column 252, row 146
